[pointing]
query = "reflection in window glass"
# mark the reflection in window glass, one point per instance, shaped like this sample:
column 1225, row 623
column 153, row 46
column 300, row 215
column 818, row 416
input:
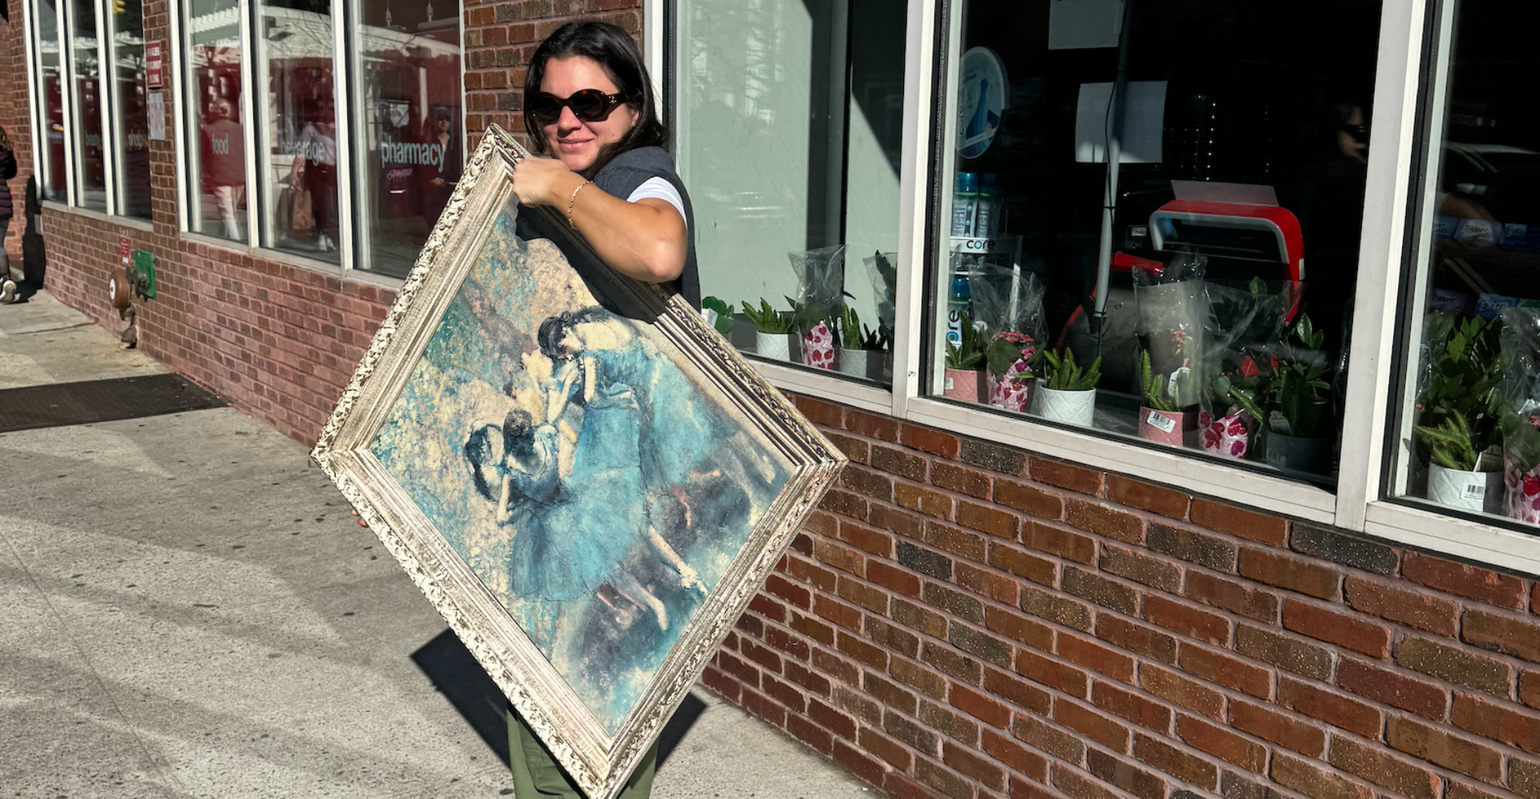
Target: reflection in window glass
column 1468, row 437
column 132, row 142
column 795, row 209
column 410, row 120
column 90, row 157
column 51, row 183
column 298, row 154
column 217, row 162
column 1242, row 137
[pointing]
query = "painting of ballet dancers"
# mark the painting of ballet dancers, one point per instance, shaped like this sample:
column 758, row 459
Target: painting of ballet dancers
column 586, row 481
column 586, row 478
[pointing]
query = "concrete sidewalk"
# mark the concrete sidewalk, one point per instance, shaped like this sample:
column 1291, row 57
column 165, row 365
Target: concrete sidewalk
column 192, row 610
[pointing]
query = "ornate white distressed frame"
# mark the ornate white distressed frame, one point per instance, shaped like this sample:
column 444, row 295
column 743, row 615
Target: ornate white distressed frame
column 598, row 762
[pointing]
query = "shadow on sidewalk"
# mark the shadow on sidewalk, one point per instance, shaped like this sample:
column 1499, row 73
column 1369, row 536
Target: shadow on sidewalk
column 457, row 675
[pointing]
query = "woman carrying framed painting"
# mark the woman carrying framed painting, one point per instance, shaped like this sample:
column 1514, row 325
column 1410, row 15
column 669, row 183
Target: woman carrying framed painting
column 590, row 114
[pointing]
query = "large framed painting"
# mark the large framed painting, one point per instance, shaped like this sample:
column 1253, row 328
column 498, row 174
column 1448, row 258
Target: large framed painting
column 581, row 475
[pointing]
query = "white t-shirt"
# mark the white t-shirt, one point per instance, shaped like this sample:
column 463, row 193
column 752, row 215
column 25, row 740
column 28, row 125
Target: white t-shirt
column 660, row 189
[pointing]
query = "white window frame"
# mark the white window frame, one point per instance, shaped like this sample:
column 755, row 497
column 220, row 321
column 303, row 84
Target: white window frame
column 1359, row 504
column 254, row 73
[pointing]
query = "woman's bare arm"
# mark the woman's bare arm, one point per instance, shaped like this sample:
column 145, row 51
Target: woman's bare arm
column 646, row 240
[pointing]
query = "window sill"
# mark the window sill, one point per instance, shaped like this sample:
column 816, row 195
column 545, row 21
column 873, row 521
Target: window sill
column 865, row 396
column 296, row 261
column 1450, row 535
column 1167, row 466
column 122, row 221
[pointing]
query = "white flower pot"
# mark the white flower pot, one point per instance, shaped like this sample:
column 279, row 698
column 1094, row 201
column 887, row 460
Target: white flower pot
column 854, row 363
column 1068, row 407
column 775, row 346
column 1480, row 492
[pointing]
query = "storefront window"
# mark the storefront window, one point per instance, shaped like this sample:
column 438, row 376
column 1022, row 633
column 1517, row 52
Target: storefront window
column 217, row 162
column 132, row 145
column 411, row 126
column 51, row 183
column 86, row 108
column 788, row 116
column 298, row 151
column 1467, row 438
column 1166, row 297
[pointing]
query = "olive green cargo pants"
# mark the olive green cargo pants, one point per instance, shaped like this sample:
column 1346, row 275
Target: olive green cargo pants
column 536, row 774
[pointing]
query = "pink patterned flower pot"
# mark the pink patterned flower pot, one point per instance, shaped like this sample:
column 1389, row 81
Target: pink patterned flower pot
column 963, row 384
column 818, row 347
column 1523, row 490
column 1172, row 428
column 1013, row 392
column 1228, row 436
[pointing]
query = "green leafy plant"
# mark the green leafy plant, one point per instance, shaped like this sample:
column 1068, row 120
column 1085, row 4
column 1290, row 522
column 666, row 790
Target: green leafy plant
column 1157, row 397
column 969, row 352
column 807, row 315
column 856, row 336
column 1521, row 440
column 1237, row 390
column 1006, row 350
column 767, row 319
column 1459, row 410
column 724, row 320
column 1301, row 392
column 1061, row 373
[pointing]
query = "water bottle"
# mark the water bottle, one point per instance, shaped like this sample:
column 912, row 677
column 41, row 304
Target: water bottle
column 964, row 204
column 958, row 300
column 986, row 217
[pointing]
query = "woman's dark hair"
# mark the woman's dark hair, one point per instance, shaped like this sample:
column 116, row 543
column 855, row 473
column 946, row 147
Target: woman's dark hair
column 555, row 328
column 478, row 450
column 516, row 438
column 615, row 51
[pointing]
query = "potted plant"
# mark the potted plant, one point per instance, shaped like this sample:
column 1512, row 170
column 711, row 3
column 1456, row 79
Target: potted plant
column 861, row 350
column 772, row 330
column 1066, row 392
column 1458, row 414
column 718, row 315
column 1299, row 421
column 964, row 380
column 1161, row 415
column 1010, row 380
column 815, row 324
column 1521, row 466
column 1226, row 427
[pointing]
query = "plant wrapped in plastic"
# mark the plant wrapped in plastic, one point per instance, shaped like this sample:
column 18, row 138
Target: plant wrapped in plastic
column 1460, row 405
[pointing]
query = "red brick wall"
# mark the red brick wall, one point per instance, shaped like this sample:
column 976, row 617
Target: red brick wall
column 500, row 37
column 278, row 340
column 966, row 620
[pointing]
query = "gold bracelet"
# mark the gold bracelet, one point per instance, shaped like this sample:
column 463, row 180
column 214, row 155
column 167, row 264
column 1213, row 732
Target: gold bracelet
column 573, row 201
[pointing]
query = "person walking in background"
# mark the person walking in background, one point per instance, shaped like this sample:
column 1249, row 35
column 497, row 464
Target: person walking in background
column 224, row 158
column 7, row 209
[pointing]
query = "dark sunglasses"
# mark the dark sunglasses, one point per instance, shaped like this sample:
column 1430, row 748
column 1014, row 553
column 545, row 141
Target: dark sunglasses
column 589, row 105
column 1360, row 133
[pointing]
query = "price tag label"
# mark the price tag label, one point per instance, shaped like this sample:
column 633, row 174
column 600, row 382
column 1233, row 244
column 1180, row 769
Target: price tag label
column 1161, row 422
column 1475, row 491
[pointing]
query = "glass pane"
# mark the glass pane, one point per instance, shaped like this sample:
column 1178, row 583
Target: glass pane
column 788, row 137
column 1242, row 138
column 52, row 182
column 411, row 125
column 217, row 165
column 133, row 128
column 299, row 126
column 90, row 158
column 1468, row 422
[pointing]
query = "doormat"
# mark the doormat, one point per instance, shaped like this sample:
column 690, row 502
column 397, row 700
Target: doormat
column 62, row 404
